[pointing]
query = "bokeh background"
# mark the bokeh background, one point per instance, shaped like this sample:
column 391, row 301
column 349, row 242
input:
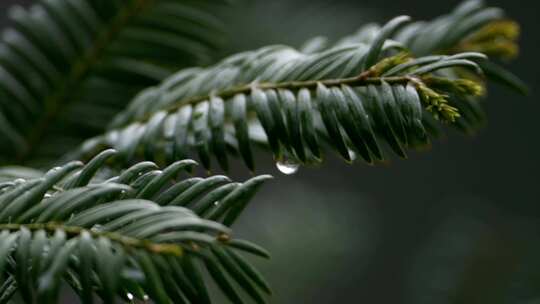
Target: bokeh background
column 458, row 224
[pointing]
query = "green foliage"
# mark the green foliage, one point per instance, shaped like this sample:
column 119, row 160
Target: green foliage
column 470, row 27
column 355, row 97
column 66, row 67
column 121, row 228
column 139, row 233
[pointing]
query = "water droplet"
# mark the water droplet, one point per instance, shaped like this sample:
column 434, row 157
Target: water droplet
column 47, row 195
column 287, row 167
column 129, row 296
column 352, row 155
column 146, row 297
column 216, row 203
column 97, row 228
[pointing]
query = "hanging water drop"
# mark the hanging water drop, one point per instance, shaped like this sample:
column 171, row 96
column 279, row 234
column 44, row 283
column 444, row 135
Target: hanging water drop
column 146, row 298
column 352, row 155
column 96, row 228
column 129, row 296
column 216, row 203
column 287, row 167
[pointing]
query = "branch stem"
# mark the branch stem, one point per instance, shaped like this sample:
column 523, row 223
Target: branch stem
column 125, row 241
column 363, row 79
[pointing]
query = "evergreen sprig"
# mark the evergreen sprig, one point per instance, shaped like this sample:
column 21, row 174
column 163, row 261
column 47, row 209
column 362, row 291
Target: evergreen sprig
column 71, row 65
column 141, row 233
column 354, row 98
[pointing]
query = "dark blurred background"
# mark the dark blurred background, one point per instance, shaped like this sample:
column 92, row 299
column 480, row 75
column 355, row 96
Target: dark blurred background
column 457, row 224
